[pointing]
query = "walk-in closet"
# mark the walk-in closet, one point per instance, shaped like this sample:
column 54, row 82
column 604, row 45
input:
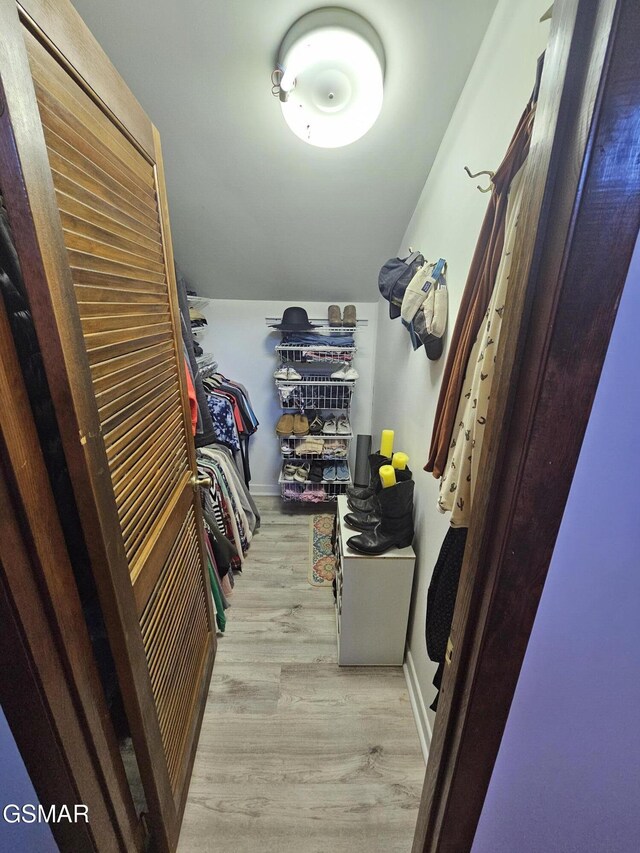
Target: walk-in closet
column 318, row 367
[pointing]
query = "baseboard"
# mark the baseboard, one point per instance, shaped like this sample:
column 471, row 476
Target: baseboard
column 417, row 705
column 264, row 490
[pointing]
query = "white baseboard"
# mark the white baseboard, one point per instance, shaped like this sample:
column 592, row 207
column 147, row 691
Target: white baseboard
column 417, row 705
column 261, row 490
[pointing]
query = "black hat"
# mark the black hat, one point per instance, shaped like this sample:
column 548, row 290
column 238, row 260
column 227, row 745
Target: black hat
column 294, row 320
column 394, row 277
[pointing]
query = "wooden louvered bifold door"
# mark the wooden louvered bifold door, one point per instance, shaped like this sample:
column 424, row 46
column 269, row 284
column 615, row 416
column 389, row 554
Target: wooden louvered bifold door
column 113, row 352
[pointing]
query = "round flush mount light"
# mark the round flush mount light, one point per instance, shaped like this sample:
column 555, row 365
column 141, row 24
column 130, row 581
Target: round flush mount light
column 330, row 77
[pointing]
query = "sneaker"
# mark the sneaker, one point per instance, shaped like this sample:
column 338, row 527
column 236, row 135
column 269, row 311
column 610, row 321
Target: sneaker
column 340, row 372
column 330, row 473
column 329, row 426
column 292, row 374
column 281, row 373
column 343, row 427
column 286, row 449
column 350, row 373
column 342, row 472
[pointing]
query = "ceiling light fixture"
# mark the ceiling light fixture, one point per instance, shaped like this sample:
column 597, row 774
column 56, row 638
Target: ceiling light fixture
column 330, row 77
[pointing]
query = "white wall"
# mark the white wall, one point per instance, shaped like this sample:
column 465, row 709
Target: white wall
column 244, row 347
column 446, row 224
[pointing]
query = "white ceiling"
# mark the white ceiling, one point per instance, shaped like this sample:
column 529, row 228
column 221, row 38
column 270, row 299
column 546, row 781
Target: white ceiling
column 255, row 212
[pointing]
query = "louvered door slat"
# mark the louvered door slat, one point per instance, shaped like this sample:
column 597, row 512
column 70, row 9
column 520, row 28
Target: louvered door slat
column 138, row 259
column 68, row 146
column 66, row 126
column 173, row 654
column 52, row 88
column 78, row 216
column 109, row 194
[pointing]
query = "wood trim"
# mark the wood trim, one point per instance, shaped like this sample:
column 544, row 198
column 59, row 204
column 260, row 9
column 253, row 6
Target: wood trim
column 59, row 26
column 582, row 215
column 65, row 736
column 207, row 665
column 163, row 208
column 30, row 199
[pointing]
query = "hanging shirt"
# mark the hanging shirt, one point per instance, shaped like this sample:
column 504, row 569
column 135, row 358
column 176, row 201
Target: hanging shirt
column 461, row 472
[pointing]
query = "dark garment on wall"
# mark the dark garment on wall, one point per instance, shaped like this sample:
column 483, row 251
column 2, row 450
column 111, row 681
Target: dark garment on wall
column 477, row 293
column 441, row 598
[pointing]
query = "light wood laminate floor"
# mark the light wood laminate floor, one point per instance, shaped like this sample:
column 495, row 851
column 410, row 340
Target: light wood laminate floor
column 298, row 755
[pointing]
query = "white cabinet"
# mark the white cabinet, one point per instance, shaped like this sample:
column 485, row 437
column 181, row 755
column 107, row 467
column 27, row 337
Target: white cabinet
column 372, row 601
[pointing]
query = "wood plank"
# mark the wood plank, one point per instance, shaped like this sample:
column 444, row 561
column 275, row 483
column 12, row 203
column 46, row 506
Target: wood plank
column 125, row 394
column 93, row 183
column 139, row 259
column 79, row 217
column 109, row 373
column 133, row 244
column 118, row 309
column 158, row 553
column 131, row 343
column 67, row 31
column 57, row 119
column 65, row 142
column 317, row 738
column 136, row 275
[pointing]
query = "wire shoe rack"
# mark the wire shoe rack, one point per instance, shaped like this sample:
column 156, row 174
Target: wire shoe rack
column 313, row 391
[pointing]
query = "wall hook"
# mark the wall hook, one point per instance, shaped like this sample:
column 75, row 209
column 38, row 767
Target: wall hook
column 477, row 174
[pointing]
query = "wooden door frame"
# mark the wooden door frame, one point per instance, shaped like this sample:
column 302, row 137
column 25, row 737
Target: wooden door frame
column 30, row 198
column 581, row 216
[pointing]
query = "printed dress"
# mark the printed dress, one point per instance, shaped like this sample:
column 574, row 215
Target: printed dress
column 461, row 473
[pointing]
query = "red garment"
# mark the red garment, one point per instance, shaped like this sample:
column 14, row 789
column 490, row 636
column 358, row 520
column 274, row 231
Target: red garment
column 193, row 403
column 477, row 293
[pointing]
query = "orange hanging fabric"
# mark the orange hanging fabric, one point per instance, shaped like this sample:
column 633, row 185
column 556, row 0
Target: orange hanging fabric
column 193, row 403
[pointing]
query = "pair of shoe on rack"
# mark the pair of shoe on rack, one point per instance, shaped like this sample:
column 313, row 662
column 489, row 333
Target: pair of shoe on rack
column 286, row 373
column 292, row 425
column 348, row 318
column 336, row 426
column 346, row 373
column 330, row 472
column 334, row 447
column 296, row 473
column 385, row 516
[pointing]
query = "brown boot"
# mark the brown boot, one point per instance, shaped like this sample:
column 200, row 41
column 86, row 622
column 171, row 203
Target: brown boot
column 335, row 319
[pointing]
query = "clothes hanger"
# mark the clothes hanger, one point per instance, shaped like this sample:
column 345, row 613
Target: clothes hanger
column 477, row 174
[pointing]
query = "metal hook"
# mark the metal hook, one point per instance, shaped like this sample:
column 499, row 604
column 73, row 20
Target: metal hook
column 477, row 174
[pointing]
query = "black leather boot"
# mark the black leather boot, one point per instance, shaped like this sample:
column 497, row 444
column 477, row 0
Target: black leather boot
column 376, row 461
column 369, row 505
column 361, row 520
column 395, row 529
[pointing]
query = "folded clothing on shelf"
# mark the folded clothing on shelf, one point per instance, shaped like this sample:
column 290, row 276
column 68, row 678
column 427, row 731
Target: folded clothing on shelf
column 313, row 493
column 328, row 338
